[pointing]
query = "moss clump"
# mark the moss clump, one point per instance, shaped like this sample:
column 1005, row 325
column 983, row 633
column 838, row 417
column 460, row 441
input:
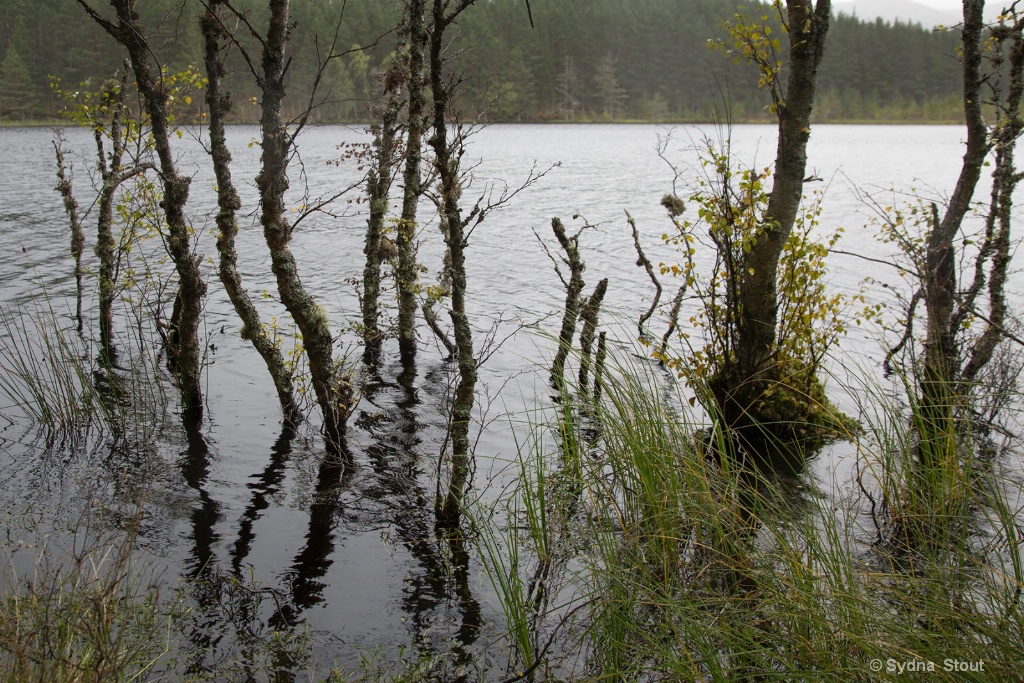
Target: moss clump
column 787, row 405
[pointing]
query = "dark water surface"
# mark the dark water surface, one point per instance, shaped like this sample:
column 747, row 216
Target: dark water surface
column 355, row 554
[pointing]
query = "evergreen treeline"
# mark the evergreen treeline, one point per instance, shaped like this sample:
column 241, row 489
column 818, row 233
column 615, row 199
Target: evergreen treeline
column 582, row 60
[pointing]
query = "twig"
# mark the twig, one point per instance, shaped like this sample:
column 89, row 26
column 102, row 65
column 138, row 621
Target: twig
column 551, row 639
column 646, row 263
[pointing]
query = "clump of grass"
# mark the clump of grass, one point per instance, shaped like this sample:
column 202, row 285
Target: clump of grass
column 418, row 667
column 691, row 564
column 45, row 372
column 91, row 613
column 48, row 376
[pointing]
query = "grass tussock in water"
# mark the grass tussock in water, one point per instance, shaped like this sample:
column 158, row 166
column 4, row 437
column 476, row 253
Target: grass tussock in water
column 642, row 545
column 48, row 374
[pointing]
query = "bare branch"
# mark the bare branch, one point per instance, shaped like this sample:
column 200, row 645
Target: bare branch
column 554, row 261
column 642, row 260
column 230, row 35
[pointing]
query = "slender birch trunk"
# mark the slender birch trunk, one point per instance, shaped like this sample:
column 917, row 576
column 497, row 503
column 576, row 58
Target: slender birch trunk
column 77, row 233
column 378, row 186
column 448, row 172
column 333, row 393
column 184, row 347
column 219, row 104
column 407, row 274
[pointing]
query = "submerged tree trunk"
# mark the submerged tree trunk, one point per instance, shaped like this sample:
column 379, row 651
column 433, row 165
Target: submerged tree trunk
column 219, row 103
column 333, row 393
column 588, row 316
column 599, row 360
column 378, row 185
column 756, row 304
column 77, row 233
column 937, row 398
column 191, row 288
column 106, row 245
column 574, row 290
column 997, row 244
column 447, row 161
column 405, row 240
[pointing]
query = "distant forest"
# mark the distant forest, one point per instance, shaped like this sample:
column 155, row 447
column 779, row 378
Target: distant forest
column 583, row 60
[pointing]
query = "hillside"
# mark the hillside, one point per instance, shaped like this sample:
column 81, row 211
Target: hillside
column 593, row 60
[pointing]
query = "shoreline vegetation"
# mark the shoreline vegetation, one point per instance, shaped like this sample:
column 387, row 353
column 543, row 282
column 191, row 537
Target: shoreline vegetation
column 930, row 119
column 64, row 123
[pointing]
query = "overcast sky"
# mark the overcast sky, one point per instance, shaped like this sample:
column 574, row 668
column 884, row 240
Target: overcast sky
column 941, row 4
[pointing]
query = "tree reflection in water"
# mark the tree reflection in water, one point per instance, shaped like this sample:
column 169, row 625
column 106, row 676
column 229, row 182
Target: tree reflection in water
column 237, row 622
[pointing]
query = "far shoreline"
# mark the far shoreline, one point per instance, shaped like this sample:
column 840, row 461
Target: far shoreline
column 55, row 123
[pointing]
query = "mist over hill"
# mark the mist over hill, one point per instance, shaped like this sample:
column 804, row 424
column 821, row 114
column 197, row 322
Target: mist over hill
column 896, row 10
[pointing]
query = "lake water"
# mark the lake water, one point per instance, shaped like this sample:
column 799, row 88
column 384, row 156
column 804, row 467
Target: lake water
column 360, row 561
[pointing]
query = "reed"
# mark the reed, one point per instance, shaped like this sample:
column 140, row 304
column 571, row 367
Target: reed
column 53, row 377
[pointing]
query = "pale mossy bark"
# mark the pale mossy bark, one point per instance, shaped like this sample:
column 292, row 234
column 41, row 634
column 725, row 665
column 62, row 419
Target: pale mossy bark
column 64, row 187
column 407, row 273
column 574, row 290
column 378, row 186
column 334, row 393
column 446, row 158
column 588, row 317
column 183, row 347
column 219, row 103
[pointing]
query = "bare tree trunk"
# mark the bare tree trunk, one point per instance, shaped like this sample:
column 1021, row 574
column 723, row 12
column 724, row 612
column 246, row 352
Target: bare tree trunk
column 599, row 360
column 757, row 299
column 588, row 316
column 940, row 259
column 997, row 244
column 406, row 239
column 574, row 290
column 937, row 398
column 378, row 186
column 77, row 233
column 111, row 177
column 448, row 172
column 219, row 103
column 333, row 393
column 191, row 288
